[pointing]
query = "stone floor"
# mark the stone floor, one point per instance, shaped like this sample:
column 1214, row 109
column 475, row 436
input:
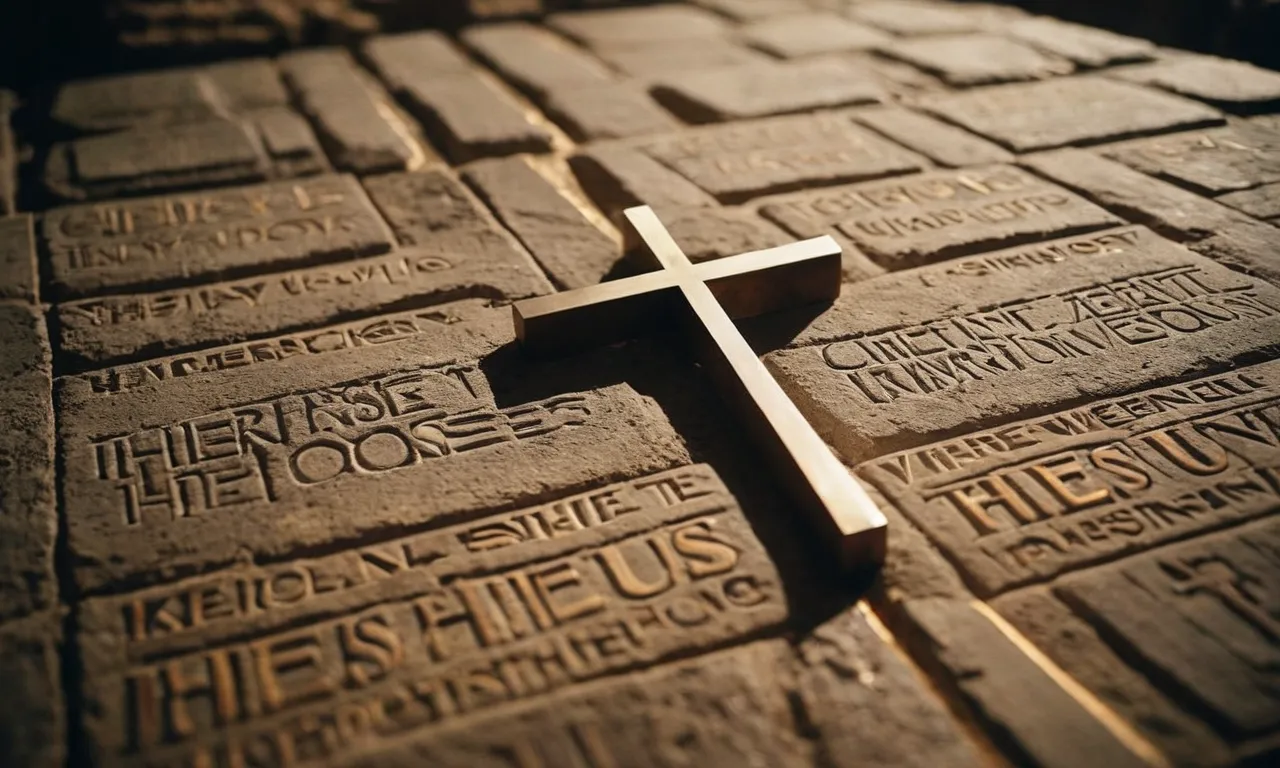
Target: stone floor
column 270, row 450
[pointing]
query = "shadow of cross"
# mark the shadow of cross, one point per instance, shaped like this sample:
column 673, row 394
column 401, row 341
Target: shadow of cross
column 706, row 297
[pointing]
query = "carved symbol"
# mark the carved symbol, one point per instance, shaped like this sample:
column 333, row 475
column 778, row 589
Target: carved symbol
column 705, row 296
column 1217, row 577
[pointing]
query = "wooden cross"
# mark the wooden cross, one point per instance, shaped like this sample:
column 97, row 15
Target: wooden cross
column 706, row 296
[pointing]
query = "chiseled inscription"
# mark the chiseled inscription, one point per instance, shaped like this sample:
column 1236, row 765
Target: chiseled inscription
column 220, row 604
column 479, row 638
column 382, row 330
column 240, row 455
column 251, row 294
column 941, row 214
column 1201, row 618
column 122, row 243
column 1040, row 497
column 1043, row 330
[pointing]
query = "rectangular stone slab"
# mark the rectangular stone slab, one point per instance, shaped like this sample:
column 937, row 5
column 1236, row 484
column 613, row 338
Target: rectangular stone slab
column 185, row 238
column 1199, row 619
column 19, row 274
column 1027, row 501
column 503, row 608
column 28, row 502
column 33, row 716
column 919, row 219
column 113, row 329
column 1078, row 110
column 912, row 356
column 182, row 475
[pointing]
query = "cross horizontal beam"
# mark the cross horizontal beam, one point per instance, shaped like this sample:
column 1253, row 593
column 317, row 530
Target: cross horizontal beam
column 706, row 298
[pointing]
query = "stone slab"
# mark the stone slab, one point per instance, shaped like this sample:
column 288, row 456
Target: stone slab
column 977, row 59
column 613, row 111
column 1031, row 500
column 464, row 113
column 1235, row 157
column 941, row 214
column 914, row 356
column 351, row 114
column 660, row 57
column 33, row 719
column 28, row 503
column 122, row 101
column 749, row 10
column 626, row 26
column 1233, row 238
column 1018, row 702
column 247, row 84
column 1198, row 618
column 180, row 239
column 744, row 160
column 150, row 160
column 757, row 90
column 1078, row 110
column 1229, row 84
column 533, row 59
column 1086, row 46
column 811, row 34
column 571, row 250
column 942, row 143
column 409, row 429
column 928, row 17
column 617, row 176
column 19, row 273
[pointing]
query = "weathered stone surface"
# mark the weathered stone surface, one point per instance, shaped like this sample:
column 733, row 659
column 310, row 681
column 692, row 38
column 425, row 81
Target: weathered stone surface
column 866, row 706
column 1078, row 649
column 246, row 84
column 808, row 34
column 33, row 720
column 1235, row 239
column 1024, row 709
column 1078, row 110
column 592, row 599
column 659, row 57
column 355, row 122
column 532, row 58
column 612, row 111
column 572, row 251
column 718, row 232
column 976, row 59
column 1261, row 202
column 28, row 505
column 618, row 176
column 915, row 356
column 288, row 141
column 756, row 90
column 1239, row 156
column 625, row 26
column 462, row 111
column 1229, row 84
column 744, row 160
column 670, row 716
column 152, row 160
column 1031, row 500
column 942, row 143
column 938, row 215
column 122, row 101
column 409, row 429
column 1086, row 46
column 19, row 274
column 473, row 259
column 1199, row 618
column 189, row 238
column 925, row 17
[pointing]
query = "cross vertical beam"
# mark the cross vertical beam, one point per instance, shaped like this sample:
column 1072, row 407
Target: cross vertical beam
column 707, row 297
